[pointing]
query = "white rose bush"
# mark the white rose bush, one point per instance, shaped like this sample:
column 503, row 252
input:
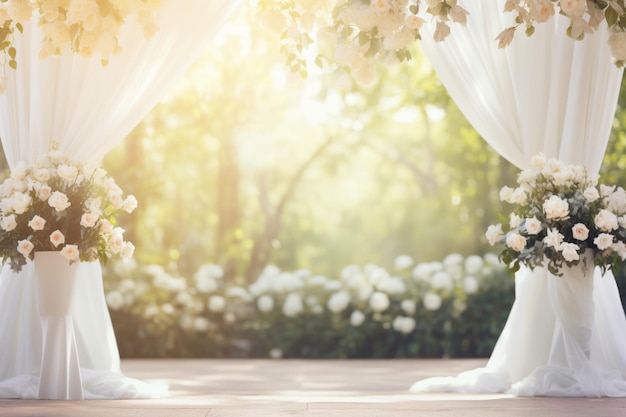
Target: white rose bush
column 433, row 309
column 60, row 205
column 562, row 214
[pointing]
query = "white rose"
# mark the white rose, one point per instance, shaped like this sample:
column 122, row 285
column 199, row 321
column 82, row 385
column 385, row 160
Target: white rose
column 570, row 251
column 67, row 172
column 200, row 324
column 42, row 174
column 130, row 204
column 470, row 285
column 519, row 197
column 20, row 202
column 293, row 305
column 606, row 190
column 506, row 193
column 555, row 208
column 538, row 161
column 338, row 302
column 617, row 201
column 431, row 301
column 265, row 303
column 25, row 247
column 408, row 306
column 473, row 264
column 9, row 223
column 128, row 249
column 216, row 304
column 115, row 300
column 403, row 324
column 70, row 252
column 514, row 221
column 403, row 262
column 516, row 242
column 553, row 239
column 603, row 241
column 591, row 194
column 606, row 221
column 58, row 201
column 57, row 238
column 357, row 318
column 89, row 219
column 533, row 226
column 541, row 10
column 442, row 281
column 116, row 242
column 413, row 22
column 379, row 302
column 37, row 223
column 622, row 221
column 20, row 11
column 44, row 192
column 574, row 8
column 580, row 232
column 494, row 234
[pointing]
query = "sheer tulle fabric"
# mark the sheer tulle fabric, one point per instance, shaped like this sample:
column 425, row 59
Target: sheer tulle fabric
column 87, row 109
column 565, row 336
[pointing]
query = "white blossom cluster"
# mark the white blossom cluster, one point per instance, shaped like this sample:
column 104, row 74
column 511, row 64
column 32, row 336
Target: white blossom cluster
column 359, row 295
column 585, row 16
column 60, row 205
column 562, row 212
column 87, row 27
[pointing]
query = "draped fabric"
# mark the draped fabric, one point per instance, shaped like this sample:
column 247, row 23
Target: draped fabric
column 551, row 94
column 87, row 109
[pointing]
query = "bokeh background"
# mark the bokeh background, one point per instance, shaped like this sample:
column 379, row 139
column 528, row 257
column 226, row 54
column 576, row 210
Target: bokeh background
column 288, row 217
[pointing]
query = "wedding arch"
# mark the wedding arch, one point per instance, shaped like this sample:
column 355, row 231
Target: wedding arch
column 547, row 92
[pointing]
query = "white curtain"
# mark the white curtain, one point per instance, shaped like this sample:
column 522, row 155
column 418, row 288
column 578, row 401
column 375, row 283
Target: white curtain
column 87, row 109
column 551, row 94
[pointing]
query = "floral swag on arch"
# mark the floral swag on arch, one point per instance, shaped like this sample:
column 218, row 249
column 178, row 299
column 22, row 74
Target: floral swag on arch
column 354, row 34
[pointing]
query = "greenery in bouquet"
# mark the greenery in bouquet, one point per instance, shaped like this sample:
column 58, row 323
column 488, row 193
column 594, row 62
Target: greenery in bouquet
column 60, row 205
column 561, row 213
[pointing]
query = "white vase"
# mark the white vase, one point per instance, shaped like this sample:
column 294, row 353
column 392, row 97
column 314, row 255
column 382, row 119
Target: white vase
column 55, row 281
column 571, row 296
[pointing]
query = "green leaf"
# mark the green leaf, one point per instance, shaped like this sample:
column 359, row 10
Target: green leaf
column 19, row 27
column 530, row 30
column 611, row 16
column 13, row 64
column 12, row 52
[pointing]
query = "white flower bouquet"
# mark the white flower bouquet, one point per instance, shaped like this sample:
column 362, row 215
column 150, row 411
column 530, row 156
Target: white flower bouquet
column 561, row 212
column 59, row 205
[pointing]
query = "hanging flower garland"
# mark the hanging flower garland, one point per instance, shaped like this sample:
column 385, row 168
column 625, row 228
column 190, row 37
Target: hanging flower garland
column 354, row 34
column 87, row 27
column 585, row 17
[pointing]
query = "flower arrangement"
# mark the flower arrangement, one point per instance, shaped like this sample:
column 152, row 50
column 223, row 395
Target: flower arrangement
column 562, row 212
column 585, row 16
column 86, row 27
column 59, row 205
column 354, row 33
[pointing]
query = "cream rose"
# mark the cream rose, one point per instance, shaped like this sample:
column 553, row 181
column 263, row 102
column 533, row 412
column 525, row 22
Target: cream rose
column 70, row 252
column 357, row 318
column 591, row 194
column 516, row 242
column 606, row 221
column 379, row 302
column 89, row 219
column 37, row 223
column 58, row 201
column 580, row 232
column 570, row 252
column 44, row 192
column 9, row 223
column 553, row 239
column 574, row 8
column 67, row 172
column 57, row 238
column 532, row 226
column 494, row 234
column 555, row 208
column 603, row 241
column 25, row 247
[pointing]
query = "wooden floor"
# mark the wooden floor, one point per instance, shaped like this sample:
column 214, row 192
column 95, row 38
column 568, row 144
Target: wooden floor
column 259, row 388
